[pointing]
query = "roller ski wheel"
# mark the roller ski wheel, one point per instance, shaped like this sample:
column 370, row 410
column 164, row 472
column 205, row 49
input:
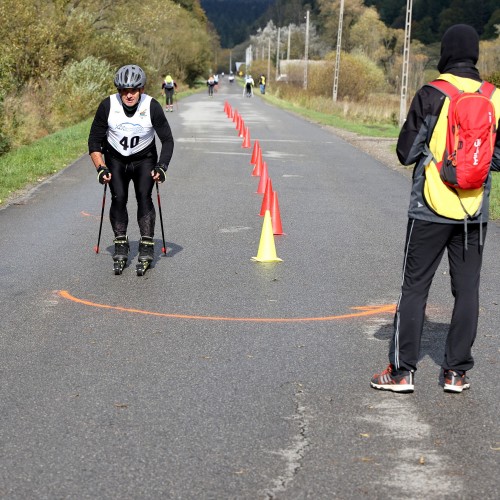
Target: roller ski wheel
column 120, row 255
column 118, row 266
column 142, row 267
column 146, row 255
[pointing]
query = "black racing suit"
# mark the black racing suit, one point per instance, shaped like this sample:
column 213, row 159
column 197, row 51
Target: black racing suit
column 136, row 168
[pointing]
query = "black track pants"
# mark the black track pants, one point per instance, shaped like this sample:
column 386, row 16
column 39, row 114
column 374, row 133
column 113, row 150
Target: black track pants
column 139, row 172
column 169, row 96
column 425, row 245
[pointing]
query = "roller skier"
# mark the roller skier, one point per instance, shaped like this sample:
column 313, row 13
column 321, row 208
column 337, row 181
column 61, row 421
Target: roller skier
column 122, row 148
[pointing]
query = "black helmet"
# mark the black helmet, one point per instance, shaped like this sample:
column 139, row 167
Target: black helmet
column 130, row 77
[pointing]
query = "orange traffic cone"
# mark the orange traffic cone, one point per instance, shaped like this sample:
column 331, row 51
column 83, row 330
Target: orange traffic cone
column 255, row 152
column 275, row 215
column 257, row 170
column 235, row 116
column 225, row 107
column 246, row 139
column 241, row 130
column 267, row 199
column 267, row 248
column 263, row 179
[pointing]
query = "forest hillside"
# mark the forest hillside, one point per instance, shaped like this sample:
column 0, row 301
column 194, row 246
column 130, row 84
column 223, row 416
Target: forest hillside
column 235, row 20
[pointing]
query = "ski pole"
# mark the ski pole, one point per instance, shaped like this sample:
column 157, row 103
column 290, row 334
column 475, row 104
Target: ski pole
column 164, row 248
column 96, row 248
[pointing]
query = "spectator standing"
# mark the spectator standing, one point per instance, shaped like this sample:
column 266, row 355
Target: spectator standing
column 431, row 231
column 262, row 84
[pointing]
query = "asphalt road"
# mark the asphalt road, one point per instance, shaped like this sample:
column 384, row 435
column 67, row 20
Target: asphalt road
column 216, row 377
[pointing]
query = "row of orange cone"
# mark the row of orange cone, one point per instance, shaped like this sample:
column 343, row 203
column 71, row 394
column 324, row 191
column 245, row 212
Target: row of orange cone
column 270, row 206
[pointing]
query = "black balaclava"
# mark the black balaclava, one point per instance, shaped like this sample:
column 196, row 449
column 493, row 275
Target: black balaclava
column 459, row 48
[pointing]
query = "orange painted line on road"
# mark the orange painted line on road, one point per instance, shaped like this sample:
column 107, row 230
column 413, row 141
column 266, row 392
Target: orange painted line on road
column 86, row 214
column 362, row 311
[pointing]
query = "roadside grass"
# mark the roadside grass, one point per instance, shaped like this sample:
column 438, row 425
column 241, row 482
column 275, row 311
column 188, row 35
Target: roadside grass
column 29, row 165
column 335, row 120
column 495, row 196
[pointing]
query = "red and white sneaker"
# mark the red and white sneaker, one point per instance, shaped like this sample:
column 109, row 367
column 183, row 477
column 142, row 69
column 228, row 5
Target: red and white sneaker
column 455, row 381
column 393, row 380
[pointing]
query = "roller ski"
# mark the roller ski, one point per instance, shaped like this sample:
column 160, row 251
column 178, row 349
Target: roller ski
column 120, row 256
column 146, row 255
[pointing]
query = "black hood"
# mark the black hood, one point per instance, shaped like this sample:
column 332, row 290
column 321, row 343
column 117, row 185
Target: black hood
column 459, row 47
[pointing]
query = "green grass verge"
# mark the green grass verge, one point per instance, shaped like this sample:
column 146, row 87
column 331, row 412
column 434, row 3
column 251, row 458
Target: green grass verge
column 495, row 196
column 29, row 165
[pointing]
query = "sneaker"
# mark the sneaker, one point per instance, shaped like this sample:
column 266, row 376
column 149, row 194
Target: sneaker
column 393, row 380
column 455, row 381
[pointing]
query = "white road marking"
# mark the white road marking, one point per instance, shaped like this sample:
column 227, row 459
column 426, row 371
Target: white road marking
column 414, row 464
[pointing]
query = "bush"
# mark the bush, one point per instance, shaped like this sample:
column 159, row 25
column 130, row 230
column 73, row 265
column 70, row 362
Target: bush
column 4, row 143
column 358, row 77
column 25, row 116
column 38, row 110
column 259, row 67
column 80, row 89
column 494, row 78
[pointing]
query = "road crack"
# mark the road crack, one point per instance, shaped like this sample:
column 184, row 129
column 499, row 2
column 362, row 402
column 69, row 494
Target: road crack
column 294, row 454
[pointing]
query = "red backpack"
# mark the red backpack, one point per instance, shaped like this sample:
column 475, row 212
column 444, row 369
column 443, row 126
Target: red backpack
column 470, row 137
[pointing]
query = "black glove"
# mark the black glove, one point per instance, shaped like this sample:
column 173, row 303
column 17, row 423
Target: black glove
column 102, row 172
column 161, row 170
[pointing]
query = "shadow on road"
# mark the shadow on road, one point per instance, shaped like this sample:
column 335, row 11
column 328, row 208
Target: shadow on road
column 433, row 339
column 172, row 249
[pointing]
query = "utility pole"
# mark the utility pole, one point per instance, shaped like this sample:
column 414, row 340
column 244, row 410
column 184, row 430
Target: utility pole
column 406, row 60
column 288, row 50
column 306, row 55
column 269, row 60
column 337, row 53
column 248, row 59
column 278, row 55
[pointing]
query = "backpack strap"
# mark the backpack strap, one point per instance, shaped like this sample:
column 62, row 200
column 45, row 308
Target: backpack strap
column 449, row 90
column 487, row 89
column 445, row 87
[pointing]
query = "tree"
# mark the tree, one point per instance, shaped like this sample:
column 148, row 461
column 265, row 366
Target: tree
column 492, row 27
column 369, row 33
column 329, row 20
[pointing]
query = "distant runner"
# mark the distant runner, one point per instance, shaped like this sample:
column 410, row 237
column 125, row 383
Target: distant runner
column 169, row 87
